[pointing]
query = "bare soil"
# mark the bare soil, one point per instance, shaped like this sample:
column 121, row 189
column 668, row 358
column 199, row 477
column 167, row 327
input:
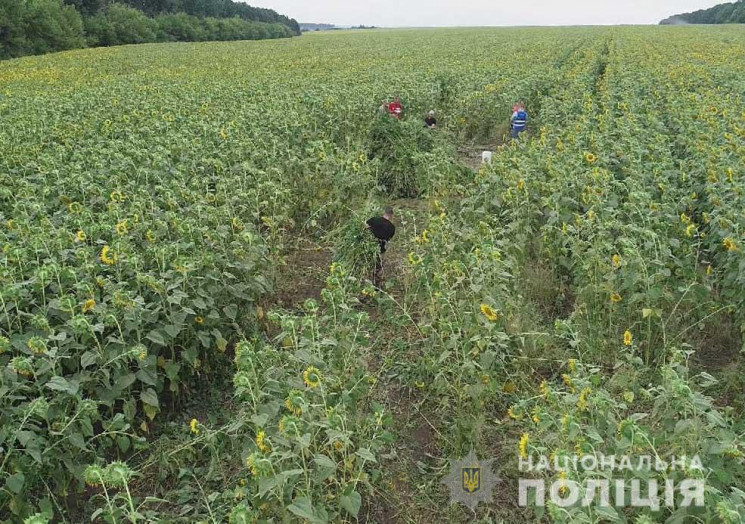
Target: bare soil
column 303, row 275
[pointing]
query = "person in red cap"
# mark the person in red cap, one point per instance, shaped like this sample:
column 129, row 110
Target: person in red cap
column 395, row 108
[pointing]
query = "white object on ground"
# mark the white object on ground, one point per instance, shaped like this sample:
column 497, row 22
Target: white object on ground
column 486, row 157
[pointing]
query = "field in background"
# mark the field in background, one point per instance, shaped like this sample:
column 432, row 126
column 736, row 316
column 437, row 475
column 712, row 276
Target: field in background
column 186, row 328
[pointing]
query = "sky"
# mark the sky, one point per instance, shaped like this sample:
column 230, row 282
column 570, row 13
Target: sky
column 412, row 13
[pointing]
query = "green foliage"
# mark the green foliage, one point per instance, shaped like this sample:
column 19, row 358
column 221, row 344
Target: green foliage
column 317, row 438
column 355, row 247
column 588, row 415
column 44, row 26
column 410, row 159
column 119, row 24
column 728, row 13
column 37, row 27
column 214, row 9
column 51, row 26
column 12, row 29
column 630, row 210
column 181, row 27
column 147, row 198
column 88, row 7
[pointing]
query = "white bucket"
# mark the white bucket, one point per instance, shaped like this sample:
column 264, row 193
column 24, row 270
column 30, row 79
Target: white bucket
column 486, row 157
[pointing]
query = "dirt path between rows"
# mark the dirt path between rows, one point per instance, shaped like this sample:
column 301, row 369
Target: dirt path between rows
column 410, row 489
column 470, row 154
column 302, row 277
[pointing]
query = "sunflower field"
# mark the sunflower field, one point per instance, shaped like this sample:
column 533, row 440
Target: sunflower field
column 188, row 328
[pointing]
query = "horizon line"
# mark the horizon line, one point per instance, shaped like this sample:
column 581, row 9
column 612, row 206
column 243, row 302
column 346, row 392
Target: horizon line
column 368, row 27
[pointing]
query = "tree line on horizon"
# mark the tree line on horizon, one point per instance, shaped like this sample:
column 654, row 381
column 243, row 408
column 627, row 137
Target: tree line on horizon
column 729, row 13
column 32, row 27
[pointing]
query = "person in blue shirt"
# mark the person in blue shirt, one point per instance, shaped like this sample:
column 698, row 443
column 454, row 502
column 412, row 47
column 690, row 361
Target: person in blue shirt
column 519, row 119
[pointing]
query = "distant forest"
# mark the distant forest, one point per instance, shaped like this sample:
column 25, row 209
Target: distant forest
column 732, row 13
column 307, row 27
column 316, row 27
column 43, row 26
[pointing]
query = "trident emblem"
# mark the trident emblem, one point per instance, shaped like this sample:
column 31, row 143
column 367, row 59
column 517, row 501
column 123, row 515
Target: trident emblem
column 471, row 479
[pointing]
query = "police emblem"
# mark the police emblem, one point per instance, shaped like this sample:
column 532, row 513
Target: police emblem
column 471, row 480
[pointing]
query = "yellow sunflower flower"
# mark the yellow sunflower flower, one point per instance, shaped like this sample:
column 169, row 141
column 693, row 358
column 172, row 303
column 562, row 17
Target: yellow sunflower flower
column 107, row 257
column 88, row 305
column 489, row 312
column 523, row 446
column 562, row 486
column 121, row 228
column 293, row 403
column 543, row 388
column 312, row 377
column 261, row 442
column 251, row 464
